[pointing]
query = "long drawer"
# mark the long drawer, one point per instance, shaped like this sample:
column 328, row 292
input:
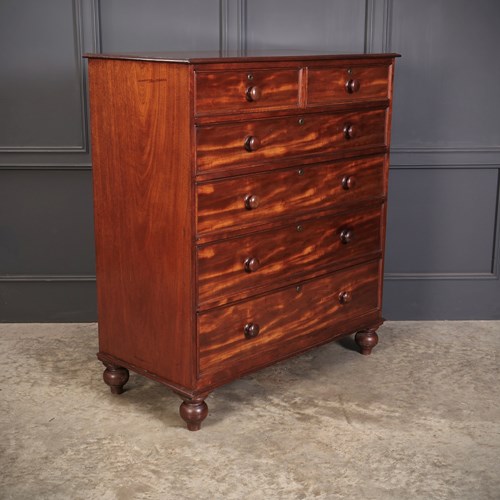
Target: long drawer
column 239, row 336
column 254, row 198
column 231, row 266
column 227, row 144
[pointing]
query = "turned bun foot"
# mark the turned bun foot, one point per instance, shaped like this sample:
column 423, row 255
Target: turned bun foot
column 116, row 377
column 193, row 412
column 366, row 340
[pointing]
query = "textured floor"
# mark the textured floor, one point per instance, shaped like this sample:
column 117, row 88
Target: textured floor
column 419, row 419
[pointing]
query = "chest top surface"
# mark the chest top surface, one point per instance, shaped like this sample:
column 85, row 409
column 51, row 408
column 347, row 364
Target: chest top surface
column 214, row 56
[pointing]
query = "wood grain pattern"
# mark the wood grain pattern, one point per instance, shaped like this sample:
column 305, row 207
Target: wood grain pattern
column 224, row 145
column 222, row 92
column 337, row 107
column 280, row 351
column 294, row 191
column 142, row 196
column 286, row 252
column 327, row 85
column 283, row 316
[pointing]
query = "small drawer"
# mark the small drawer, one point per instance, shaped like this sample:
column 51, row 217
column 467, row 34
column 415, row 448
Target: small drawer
column 226, row 144
column 240, row 336
column 258, row 197
column 331, row 85
column 229, row 268
column 237, row 91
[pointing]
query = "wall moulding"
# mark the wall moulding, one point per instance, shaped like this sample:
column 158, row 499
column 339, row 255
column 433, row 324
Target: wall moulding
column 86, row 37
column 46, row 278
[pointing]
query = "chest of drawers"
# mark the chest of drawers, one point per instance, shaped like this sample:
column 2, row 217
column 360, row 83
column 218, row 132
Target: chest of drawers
column 240, row 207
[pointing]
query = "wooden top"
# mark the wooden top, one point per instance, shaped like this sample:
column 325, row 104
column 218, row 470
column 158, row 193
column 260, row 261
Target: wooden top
column 214, row 56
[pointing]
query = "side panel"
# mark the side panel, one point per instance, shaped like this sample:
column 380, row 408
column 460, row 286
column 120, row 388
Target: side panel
column 383, row 228
column 141, row 141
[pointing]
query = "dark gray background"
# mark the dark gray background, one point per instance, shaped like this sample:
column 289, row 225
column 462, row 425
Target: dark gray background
column 442, row 246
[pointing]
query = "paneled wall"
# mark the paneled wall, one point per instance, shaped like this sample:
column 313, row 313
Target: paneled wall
column 443, row 234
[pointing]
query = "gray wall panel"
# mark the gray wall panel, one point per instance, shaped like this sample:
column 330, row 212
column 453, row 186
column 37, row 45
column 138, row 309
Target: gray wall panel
column 46, row 223
column 47, row 301
column 40, row 83
column 129, row 25
column 447, row 92
column 441, row 220
column 337, row 25
column 441, row 299
column 443, row 227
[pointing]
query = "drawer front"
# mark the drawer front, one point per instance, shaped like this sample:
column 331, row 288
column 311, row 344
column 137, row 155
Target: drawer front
column 260, row 259
column 238, row 336
column 257, row 140
column 224, row 92
column 331, row 85
column 256, row 197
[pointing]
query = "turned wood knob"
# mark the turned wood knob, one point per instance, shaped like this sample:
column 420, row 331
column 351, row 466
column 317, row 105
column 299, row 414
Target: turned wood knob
column 251, row 330
column 252, row 143
column 253, row 93
column 352, row 86
column 346, row 235
column 252, row 264
column 252, row 201
column 345, row 297
column 348, row 182
column 349, row 131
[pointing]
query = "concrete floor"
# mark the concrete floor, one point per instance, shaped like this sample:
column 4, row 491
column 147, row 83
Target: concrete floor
column 419, row 419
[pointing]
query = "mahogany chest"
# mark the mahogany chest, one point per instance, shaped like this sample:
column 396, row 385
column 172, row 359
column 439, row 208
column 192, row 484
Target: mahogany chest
column 240, row 208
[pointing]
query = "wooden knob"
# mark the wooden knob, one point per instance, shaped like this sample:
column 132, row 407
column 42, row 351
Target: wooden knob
column 348, row 182
column 345, row 297
column 252, row 143
column 253, row 93
column 349, row 131
column 251, row 330
column 252, row 264
column 346, row 235
column 352, row 86
column 252, row 201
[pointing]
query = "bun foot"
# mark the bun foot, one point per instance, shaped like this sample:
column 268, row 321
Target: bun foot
column 193, row 412
column 366, row 340
column 116, row 377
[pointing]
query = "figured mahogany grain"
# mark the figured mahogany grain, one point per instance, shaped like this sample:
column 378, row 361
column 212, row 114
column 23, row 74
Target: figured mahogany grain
column 142, row 197
column 224, row 144
column 292, row 250
column 293, row 191
column 283, row 316
column 223, row 92
column 327, row 85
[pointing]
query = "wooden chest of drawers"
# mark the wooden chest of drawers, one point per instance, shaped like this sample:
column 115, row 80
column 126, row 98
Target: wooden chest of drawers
column 240, row 207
